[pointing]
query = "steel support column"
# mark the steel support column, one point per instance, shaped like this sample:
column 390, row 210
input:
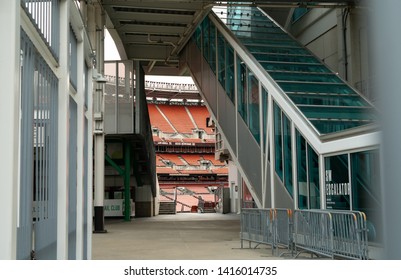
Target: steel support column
column 127, row 176
column 99, row 126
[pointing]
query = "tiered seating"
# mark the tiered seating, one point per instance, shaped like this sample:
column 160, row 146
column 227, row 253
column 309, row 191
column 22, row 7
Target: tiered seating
column 197, row 171
column 199, row 114
column 157, row 120
column 178, row 117
column 193, row 140
column 173, row 158
column 192, row 159
column 166, row 170
column 220, row 171
column 213, row 160
column 159, row 162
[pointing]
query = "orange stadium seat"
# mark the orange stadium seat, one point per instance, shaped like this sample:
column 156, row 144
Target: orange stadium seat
column 213, row 160
column 178, row 117
column 192, row 159
column 157, row 120
column 199, row 114
column 173, row 158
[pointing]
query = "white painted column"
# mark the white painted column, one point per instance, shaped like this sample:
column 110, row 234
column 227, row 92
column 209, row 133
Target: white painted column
column 294, row 165
column 322, row 183
column 99, row 127
column 272, row 151
column 80, row 99
column 9, row 123
column 63, row 107
column 89, row 171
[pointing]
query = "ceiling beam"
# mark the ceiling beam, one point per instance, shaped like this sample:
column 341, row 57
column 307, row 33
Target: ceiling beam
column 149, row 52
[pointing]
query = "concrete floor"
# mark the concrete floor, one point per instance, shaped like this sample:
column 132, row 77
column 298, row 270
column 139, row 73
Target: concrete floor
column 184, row 236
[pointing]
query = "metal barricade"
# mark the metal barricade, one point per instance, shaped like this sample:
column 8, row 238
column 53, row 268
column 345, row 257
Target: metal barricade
column 313, row 232
column 350, row 234
column 257, row 227
column 329, row 233
column 283, row 229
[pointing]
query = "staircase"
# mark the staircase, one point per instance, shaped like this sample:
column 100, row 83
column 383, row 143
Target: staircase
column 167, row 208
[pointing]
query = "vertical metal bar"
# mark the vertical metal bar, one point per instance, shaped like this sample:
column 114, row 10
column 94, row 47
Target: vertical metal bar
column 294, row 165
column 127, row 175
column 272, row 149
column 117, row 98
column 322, row 182
column 307, row 174
column 350, row 182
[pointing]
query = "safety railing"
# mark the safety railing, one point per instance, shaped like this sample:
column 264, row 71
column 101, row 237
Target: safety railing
column 313, row 232
column 328, row 233
column 350, row 234
column 257, row 227
column 283, row 229
column 271, row 227
column 331, row 233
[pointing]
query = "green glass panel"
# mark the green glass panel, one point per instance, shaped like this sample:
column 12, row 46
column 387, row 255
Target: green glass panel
column 221, row 59
column 315, row 87
column 271, row 57
column 205, row 38
column 302, row 179
column 326, row 127
column 291, row 67
column 366, row 192
column 281, row 43
column 287, row 146
column 278, row 49
column 212, row 46
column 242, row 89
column 260, row 35
column 298, row 13
column 230, row 81
column 314, row 181
column 258, row 26
column 197, row 37
column 318, row 99
column 342, row 113
column 278, row 154
column 301, row 77
column 337, row 184
column 265, row 106
column 258, row 19
column 253, row 106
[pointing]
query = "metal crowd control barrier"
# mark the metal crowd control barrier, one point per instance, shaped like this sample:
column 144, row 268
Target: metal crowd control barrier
column 267, row 226
column 283, row 229
column 257, row 227
column 350, row 234
column 313, row 232
column 331, row 233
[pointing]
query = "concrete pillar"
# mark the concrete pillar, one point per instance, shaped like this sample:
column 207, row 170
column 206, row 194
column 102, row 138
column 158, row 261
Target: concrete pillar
column 9, row 123
column 144, row 201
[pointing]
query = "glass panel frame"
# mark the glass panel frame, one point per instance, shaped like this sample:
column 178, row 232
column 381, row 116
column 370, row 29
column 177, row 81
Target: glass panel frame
column 278, row 138
column 253, row 106
column 242, row 90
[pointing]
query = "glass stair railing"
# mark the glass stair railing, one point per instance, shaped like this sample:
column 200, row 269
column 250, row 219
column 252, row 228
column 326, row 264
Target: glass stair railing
column 326, row 101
